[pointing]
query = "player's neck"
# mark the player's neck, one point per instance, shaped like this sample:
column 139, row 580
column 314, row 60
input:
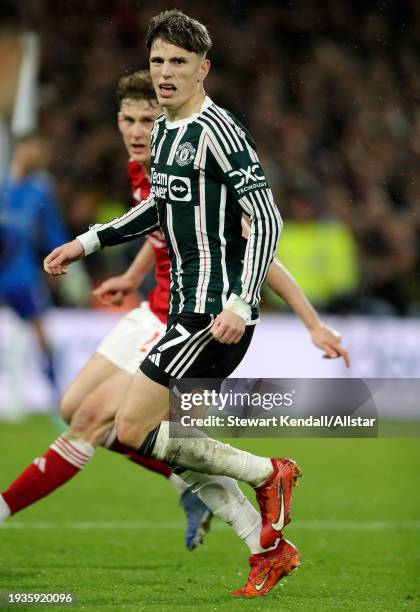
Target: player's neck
column 188, row 108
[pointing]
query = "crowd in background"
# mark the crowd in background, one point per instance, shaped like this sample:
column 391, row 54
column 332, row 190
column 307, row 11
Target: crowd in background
column 329, row 89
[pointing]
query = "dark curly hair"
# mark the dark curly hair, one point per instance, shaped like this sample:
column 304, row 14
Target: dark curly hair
column 180, row 30
column 136, row 86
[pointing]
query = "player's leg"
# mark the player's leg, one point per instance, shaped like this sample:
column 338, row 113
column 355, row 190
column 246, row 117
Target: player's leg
column 90, row 405
column 126, row 346
column 228, row 503
column 269, row 562
column 96, row 370
column 197, row 514
column 48, row 358
column 93, row 422
column 120, row 350
column 70, row 452
column 30, row 300
column 189, row 350
column 87, row 425
column 140, row 422
column 222, row 495
column 61, row 462
column 87, row 399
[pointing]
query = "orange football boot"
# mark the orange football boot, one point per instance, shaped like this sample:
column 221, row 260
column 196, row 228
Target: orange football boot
column 268, row 567
column 274, row 498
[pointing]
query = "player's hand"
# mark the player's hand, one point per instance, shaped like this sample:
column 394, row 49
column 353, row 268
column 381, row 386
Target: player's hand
column 228, row 327
column 329, row 340
column 113, row 291
column 57, row 262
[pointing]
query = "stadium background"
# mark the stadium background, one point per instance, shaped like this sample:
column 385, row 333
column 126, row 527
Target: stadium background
column 330, row 91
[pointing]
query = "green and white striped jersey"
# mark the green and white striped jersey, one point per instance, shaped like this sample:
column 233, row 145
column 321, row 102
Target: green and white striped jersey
column 205, row 174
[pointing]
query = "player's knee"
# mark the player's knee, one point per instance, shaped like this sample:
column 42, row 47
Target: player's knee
column 129, row 433
column 87, row 419
column 68, row 406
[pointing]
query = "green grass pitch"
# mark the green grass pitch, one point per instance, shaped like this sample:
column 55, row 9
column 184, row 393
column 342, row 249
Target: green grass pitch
column 114, row 536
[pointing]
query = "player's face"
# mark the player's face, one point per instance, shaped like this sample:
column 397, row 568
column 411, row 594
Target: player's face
column 135, row 121
column 177, row 74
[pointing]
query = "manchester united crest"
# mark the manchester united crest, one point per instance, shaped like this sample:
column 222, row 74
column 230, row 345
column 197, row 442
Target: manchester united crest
column 184, row 154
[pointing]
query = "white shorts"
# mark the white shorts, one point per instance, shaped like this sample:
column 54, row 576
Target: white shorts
column 128, row 343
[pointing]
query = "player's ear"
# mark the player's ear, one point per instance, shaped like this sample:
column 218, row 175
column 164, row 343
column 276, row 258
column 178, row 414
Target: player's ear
column 119, row 121
column 204, row 68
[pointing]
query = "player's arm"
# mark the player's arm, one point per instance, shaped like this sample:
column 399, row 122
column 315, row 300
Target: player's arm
column 282, row 282
column 324, row 337
column 138, row 221
column 244, row 178
column 114, row 290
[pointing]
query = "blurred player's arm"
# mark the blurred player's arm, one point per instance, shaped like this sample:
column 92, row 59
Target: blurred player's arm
column 324, row 337
column 138, row 221
column 114, row 290
column 280, row 280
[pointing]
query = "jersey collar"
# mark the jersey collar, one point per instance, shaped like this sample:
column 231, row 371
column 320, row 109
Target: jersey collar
column 181, row 122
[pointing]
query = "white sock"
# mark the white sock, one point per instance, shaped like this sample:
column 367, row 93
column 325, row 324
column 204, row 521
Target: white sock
column 225, row 499
column 178, row 483
column 73, row 449
column 4, row 510
column 205, row 455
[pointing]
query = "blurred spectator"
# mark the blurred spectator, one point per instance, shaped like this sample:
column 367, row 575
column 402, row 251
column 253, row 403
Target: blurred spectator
column 30, row 226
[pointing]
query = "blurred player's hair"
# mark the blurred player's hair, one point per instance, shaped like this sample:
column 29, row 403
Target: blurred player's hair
column 136, row 86
column 178, row 29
